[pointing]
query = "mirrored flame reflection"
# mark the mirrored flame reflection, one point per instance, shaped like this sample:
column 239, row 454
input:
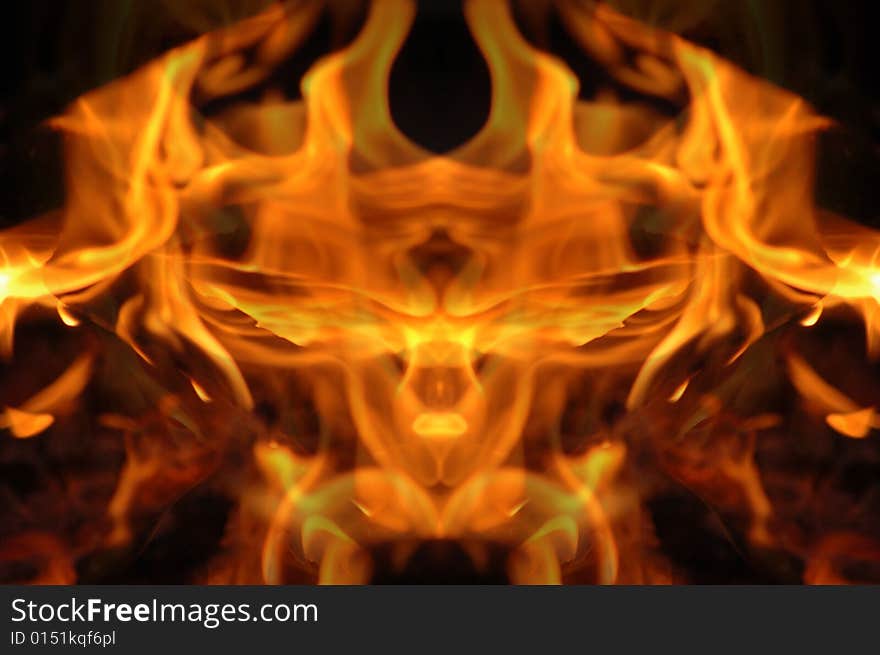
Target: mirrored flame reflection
column 367, row 346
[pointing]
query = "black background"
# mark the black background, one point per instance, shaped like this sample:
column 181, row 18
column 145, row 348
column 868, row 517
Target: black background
column 57, row 49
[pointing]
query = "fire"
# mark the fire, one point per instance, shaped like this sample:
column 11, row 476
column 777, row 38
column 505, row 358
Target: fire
column 522, row 346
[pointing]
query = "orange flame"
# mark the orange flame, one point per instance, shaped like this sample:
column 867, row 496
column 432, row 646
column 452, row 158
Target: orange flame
column 439, row 313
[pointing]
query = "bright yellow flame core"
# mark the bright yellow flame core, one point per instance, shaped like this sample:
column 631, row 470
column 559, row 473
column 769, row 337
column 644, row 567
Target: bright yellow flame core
column 439, row 425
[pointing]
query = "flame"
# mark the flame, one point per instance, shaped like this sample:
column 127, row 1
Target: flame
column 36, row 414
column 200, row 391
column 842, row 413
column 442, row 337
column 813, row 317
column 438, row 424
column 854, row 424
column 676, row 395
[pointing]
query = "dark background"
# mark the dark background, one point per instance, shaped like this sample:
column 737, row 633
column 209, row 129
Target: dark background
column 58, row 49
column 821, row 49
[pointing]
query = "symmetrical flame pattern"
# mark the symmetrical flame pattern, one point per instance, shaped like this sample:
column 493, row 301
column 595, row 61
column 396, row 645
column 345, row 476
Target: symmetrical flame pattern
column 362, row 347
